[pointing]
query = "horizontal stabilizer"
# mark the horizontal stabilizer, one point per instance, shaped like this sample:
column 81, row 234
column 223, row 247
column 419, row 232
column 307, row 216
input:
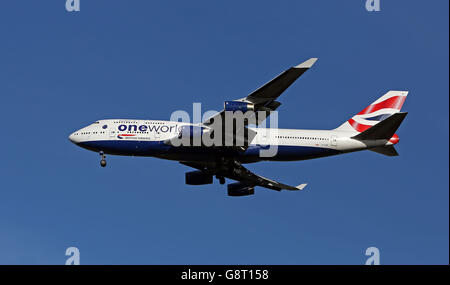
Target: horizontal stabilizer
column 388, row 150
column 384, row 129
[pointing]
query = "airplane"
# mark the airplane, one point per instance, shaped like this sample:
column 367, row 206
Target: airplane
column 372, row 129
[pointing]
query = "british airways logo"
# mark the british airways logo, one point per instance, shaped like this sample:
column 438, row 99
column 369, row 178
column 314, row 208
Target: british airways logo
column 125, row 135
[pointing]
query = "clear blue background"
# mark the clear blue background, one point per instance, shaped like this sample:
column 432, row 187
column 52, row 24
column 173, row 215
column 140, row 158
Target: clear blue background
column 145, row 59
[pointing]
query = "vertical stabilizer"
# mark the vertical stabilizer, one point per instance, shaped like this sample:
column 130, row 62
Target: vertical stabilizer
column 387, row 105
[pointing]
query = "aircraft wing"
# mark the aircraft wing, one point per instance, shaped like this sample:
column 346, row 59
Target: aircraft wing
column 273, row 89
column 264, row 98
column 234, row 170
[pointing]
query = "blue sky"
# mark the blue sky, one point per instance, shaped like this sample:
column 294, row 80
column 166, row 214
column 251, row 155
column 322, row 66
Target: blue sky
column 145, row 59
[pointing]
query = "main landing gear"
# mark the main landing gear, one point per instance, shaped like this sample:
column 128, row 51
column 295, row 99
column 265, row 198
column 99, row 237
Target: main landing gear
column 103, row 161
column 221, row 179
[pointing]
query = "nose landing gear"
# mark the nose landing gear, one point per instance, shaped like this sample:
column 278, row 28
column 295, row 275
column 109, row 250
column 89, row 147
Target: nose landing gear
column 103, row 161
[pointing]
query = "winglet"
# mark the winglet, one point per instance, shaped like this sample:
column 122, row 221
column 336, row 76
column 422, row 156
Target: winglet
column 301, row 186
column 308, row 63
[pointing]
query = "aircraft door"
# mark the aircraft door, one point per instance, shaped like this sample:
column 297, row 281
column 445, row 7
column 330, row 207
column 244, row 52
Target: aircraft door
column 264, row 140
column 157, row 136
column 333, row 140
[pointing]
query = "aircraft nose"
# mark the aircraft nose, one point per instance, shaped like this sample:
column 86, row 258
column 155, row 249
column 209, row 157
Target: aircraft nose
column 73, row 138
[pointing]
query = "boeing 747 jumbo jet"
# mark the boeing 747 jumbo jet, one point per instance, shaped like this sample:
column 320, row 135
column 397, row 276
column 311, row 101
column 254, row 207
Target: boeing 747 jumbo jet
column 371, row 129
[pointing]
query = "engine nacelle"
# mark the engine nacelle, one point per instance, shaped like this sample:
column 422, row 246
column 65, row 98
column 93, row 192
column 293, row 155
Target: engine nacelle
column 240, row 189
column 238, row 106
column 198, row 178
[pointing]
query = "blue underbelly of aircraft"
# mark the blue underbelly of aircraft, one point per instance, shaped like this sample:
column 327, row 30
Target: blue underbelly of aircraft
column 159, row 149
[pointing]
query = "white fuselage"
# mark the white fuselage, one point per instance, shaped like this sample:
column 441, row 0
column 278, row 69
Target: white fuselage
column 150, row 137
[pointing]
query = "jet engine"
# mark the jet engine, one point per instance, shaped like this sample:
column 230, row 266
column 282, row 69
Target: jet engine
column 240, row 189
column 238, row 106
column 198, row 178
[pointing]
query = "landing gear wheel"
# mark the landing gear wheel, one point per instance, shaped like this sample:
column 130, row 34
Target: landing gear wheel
column 221, row 179
column 103, row 161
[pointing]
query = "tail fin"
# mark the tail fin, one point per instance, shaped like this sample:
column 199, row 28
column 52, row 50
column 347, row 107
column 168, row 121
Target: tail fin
column 384, row 130
column 387, row 105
